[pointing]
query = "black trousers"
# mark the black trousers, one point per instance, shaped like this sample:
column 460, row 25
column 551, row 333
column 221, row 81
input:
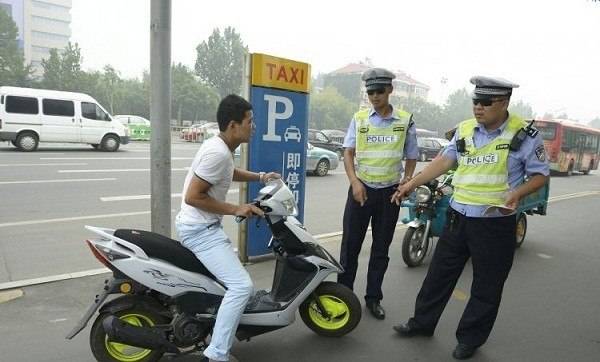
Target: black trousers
column 490, row 243
column 383, row 216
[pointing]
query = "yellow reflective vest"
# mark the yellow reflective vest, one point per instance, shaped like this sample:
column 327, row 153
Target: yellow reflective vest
column 379, row 150
column 482, row 174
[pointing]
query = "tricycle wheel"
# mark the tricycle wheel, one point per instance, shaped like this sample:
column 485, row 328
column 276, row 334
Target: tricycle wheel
column 414, row 246
column 521, row 228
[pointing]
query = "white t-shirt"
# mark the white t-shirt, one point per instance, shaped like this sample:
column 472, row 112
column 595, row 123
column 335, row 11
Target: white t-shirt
column 214, row 164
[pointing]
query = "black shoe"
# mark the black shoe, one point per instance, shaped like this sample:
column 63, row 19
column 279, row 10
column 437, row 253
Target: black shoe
column 406, row 330
column 376, row 309
column 463, row 351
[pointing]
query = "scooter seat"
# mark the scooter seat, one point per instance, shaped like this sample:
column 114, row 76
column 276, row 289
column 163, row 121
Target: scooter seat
column 161, row 247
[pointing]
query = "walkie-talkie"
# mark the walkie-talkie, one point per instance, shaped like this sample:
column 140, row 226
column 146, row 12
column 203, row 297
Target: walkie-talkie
column 519, row 137
column 461, row 145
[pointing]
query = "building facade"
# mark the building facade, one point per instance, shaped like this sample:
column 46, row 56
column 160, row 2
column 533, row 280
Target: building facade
column 404, row 85
column 43, row 25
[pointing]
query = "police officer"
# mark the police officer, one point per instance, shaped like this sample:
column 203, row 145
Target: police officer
column 494, row 152
column 376, row 141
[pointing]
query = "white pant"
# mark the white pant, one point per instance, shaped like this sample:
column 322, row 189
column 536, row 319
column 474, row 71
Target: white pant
column 213, row 248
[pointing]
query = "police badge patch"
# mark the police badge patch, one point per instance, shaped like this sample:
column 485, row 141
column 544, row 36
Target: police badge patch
column 540, row 152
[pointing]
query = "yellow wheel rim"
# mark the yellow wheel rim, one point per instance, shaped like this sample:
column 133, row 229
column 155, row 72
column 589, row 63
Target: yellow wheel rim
column 338, row 311
column 124, row 352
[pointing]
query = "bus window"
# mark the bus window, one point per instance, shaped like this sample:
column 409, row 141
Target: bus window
column 548, row 132
column 591, row 144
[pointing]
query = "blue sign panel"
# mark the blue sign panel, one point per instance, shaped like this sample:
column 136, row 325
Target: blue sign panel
column 278, row 145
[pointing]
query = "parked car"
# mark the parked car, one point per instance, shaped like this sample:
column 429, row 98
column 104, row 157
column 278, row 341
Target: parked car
column 29, row 116
column 335, row 135
column 139, row 127
column 319, row 160
column 429, row 147
column 199, row 132
column 319, row 139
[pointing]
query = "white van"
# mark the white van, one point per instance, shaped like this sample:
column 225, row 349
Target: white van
column 29, row 116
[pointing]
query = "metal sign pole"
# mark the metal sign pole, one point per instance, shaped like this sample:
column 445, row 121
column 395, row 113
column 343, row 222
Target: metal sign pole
column 160, row 116
column 243, row 227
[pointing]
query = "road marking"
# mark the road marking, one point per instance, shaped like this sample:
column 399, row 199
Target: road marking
column 109, row 158
column 58, row 320
column 573, row 195
column 544, row 256
column 460, row 295
column 145, row 197
column 52, row 278
column 118, row 170
column 10, row 294
column 41, row 164
column 58, row 180
column 67, row 219
column 322, row 237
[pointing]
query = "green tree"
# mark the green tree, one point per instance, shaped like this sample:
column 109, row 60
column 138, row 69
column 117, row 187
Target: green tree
column 595, row 122
column 62, row 70
column 13, row 70
column 191, row 99
column 111, row 86
column 329, row 109
column 522, row 109
column 134, row 99
column 458, row 107
column 348, row 85
column 220, row 61
column 426, row 115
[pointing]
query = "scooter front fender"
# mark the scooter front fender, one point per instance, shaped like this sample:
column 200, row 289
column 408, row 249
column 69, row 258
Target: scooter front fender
column 415, row 223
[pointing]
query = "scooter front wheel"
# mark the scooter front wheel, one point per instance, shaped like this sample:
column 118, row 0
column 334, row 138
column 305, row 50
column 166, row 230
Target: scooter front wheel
column 342, row 310
column 414, row 246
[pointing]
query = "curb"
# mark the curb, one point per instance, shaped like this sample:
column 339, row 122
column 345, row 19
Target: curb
column 327, row 237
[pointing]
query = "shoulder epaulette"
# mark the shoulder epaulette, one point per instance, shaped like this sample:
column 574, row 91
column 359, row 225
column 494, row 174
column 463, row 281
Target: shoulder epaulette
column 532, row 131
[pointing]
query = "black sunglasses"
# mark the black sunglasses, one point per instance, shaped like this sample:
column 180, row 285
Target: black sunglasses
column 486, row 102
column 378, row 91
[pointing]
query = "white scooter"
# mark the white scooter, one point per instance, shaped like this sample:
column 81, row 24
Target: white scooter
column 168, row 300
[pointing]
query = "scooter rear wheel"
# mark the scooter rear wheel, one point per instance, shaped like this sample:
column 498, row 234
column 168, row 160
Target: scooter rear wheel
column 107, row 351
column 340, row 303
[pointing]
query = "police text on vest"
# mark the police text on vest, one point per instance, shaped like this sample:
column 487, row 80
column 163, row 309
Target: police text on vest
column 480, row 160
column 382, row 139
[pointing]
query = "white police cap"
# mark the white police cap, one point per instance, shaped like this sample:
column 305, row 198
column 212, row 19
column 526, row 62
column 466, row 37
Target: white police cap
column 377, row 78
column 486, row 87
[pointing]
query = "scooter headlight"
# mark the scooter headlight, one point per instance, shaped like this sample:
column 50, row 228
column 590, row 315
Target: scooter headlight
column 290, row 206
column 423, row 194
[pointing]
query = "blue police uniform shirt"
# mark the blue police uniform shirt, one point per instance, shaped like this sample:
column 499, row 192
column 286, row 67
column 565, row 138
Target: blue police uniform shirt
column 525, row 161
column 411, row 150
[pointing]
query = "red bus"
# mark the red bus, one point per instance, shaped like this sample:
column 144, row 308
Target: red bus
column 570, row 146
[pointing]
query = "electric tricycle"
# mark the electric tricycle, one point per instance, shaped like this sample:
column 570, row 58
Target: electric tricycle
column 427, row 208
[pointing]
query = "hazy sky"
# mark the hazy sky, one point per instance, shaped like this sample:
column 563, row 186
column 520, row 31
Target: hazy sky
column 550, row 47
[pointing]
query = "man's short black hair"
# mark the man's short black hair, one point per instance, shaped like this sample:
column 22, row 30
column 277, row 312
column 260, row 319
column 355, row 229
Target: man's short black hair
column 232, row 108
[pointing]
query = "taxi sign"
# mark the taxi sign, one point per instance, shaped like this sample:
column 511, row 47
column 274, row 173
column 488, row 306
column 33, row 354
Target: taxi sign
column 273, row 72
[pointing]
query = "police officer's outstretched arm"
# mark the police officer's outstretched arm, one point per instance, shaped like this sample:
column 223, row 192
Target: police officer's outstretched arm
column 436, row 168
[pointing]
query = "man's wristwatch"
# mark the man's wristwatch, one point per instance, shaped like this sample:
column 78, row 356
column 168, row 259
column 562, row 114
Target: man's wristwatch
column 261, row 176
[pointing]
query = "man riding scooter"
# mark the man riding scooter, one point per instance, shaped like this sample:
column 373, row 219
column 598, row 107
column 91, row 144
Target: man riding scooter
column 202, row 209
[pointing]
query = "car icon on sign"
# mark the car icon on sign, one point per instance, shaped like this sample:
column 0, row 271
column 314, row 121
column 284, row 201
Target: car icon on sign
column 292, row 133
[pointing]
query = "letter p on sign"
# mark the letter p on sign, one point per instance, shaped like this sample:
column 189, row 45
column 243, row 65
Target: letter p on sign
column 272, row 115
